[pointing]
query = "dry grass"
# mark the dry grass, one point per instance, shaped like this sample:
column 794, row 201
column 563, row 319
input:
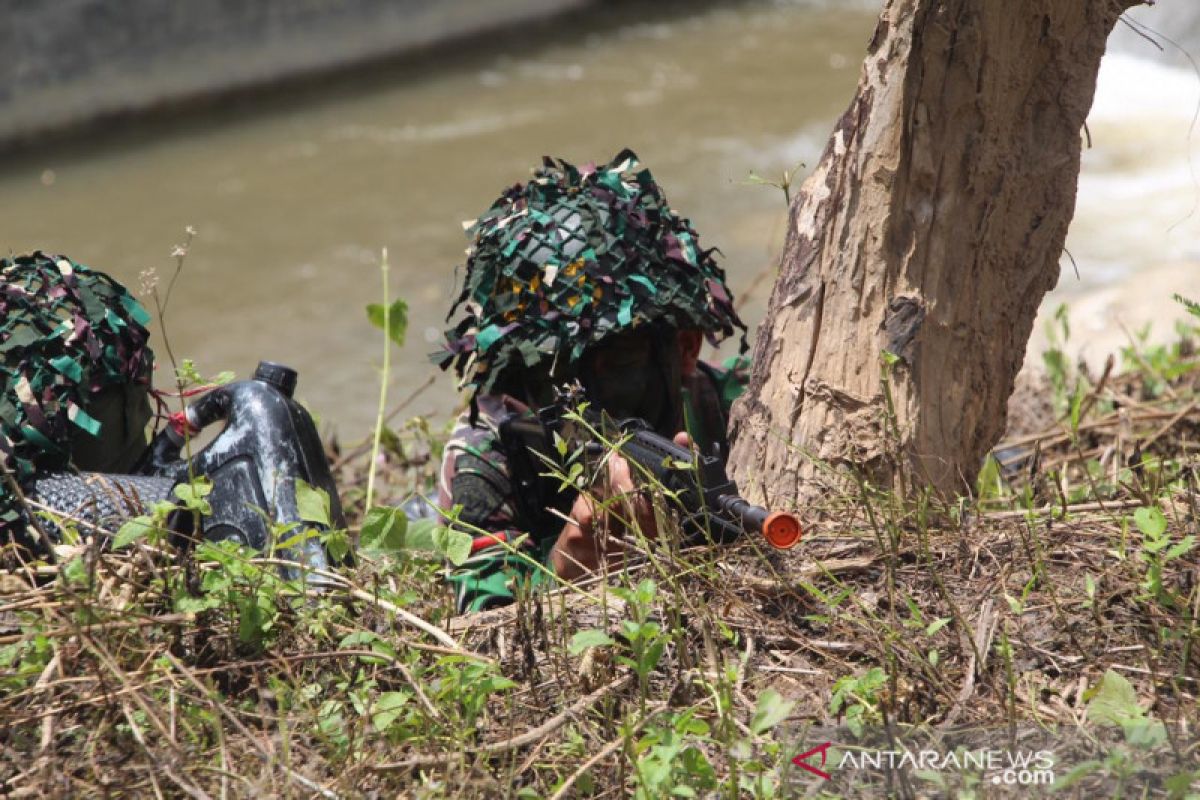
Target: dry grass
column 1002, row 615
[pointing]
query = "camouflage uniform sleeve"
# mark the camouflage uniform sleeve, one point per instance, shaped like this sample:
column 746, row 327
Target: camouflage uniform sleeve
column 475, row 475
column 708, row 395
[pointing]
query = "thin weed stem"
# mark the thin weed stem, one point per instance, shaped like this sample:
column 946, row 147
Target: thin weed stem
column 383, row 382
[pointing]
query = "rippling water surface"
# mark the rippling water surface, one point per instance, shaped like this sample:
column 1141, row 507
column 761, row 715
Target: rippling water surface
column 293, row 201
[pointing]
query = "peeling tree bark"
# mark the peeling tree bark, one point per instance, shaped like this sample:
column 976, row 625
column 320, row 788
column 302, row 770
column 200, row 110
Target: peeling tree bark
column 931, row 228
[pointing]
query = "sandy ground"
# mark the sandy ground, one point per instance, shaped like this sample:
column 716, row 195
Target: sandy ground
column 1104, row 320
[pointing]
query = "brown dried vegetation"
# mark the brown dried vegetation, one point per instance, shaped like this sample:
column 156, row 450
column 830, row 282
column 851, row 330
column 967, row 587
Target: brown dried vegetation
column 180, row 672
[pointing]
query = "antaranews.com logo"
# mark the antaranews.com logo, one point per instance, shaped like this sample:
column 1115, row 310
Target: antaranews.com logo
column 996, row 765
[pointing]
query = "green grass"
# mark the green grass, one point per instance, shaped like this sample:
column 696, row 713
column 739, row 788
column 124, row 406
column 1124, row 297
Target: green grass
column 1059, row 603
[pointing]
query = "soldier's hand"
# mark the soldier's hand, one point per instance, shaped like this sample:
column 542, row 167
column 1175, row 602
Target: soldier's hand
column 600, row 519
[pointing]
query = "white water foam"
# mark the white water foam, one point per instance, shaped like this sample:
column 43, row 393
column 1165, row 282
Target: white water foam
column 1136, row 233
column 1139, row 194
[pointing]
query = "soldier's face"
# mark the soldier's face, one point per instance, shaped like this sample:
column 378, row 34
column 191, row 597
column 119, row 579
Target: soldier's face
column 636, row 374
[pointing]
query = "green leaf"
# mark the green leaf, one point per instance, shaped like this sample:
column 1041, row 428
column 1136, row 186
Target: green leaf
column 937, row 625
column 654, row 772
column 75, row 571
column 688, row 724
column 186, row 373
column 384, row 530
column 337, row 544
column 290, row 535
column 252, row 621
column 1062, row 315
column 1014, row 605
column 1181, row 547
column 1178, row 785
column 132, row 531
column 1076, row 774
column 914, row 610
column 1192, row 306
column 358, row 639
column 1056, row 366
column 420, row 536
column 454, row 545
column 1155, row 545
column 585, row 640
column 312, row 503
column 770, row 711
column 388, row 709
column 990, row 483
column 1150, row 521
column 1145, row 732
column 186, row 604
column 1114, row 701
column 872, row 680
column 854, row 720
column 396, row 320
column 428, row 536
column 841, row 693
column 645, row 592
column 9, row 654
column 649, row 659
column 193, row 494
column 371, row 641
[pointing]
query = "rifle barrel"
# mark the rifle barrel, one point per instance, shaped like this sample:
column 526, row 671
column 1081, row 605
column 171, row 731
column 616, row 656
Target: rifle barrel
column 781, row 529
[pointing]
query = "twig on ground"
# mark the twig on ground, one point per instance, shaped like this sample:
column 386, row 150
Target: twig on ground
column 529, row 737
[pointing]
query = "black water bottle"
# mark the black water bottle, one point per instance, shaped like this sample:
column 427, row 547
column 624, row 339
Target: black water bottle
column 163, row 457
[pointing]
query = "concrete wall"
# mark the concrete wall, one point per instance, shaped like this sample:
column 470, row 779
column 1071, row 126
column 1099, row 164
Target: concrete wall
column 66, row 62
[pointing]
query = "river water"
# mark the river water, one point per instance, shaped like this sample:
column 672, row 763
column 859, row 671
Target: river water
column 293, row 198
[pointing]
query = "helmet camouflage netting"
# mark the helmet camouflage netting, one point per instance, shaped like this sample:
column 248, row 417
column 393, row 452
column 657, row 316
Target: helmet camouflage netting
column 571, row 257
column 66, row 332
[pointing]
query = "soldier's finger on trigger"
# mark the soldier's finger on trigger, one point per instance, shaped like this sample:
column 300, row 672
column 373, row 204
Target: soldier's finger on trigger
column 620, row 477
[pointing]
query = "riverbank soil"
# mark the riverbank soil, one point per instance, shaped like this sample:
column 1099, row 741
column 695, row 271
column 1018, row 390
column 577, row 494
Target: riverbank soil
column 1053, row 615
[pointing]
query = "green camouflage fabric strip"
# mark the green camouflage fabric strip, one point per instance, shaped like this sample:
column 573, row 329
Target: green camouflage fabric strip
column 67, row 332
column 560, row 263
column 490, row 577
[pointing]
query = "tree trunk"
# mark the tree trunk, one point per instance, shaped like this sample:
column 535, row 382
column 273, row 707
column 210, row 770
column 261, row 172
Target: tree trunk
column 931, row 228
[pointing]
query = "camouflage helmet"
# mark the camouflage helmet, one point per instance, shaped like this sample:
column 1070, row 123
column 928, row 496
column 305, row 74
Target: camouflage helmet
column 575, row 255
column 71, row 339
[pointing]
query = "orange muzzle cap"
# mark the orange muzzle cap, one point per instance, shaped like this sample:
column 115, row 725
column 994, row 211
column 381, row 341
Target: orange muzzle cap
column 782, row 530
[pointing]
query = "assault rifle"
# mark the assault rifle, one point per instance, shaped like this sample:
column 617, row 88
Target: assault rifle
column 707, row 500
